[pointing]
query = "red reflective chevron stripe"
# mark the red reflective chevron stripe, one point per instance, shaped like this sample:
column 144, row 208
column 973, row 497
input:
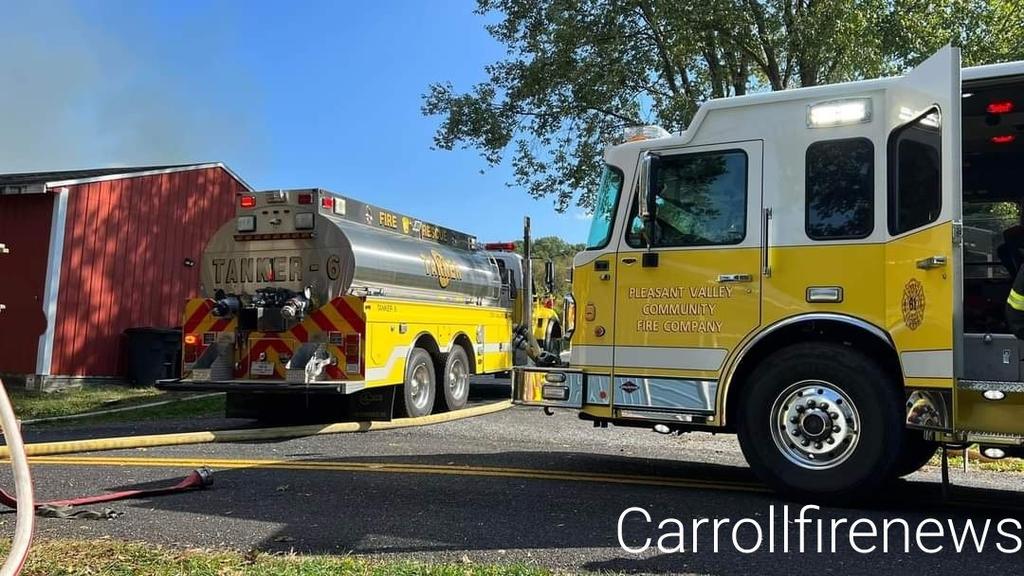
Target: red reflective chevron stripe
column 350, row 315
column 193, row 321
column 322, row 321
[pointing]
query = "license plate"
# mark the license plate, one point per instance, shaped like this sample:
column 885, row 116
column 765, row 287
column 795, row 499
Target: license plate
column 261, row 368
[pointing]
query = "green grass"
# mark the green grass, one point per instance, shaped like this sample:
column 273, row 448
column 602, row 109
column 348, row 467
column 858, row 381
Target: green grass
column 31, row 405
column 105, row 557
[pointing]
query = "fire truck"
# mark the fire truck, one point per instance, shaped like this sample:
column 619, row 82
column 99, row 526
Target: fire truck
column 315, row 302
column 794, row 268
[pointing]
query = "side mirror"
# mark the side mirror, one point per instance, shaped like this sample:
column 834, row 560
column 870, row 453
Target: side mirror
column 568, row 316
column 648, row 206
column 549, row 276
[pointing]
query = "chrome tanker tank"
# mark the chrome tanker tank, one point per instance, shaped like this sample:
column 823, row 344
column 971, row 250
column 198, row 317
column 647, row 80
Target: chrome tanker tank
column 316, row 245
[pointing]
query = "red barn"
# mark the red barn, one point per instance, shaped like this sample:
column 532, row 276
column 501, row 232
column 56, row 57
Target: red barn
column 93, row 252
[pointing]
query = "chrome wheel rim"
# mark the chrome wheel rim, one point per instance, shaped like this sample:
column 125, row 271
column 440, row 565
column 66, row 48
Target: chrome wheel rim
column 815, row 425
column 419, row 385
column 458, row 379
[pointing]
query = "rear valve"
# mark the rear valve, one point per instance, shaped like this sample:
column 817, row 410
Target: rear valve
column 226, row 306
column 295, row 307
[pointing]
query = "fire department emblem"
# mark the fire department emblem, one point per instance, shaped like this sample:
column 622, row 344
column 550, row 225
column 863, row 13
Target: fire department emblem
column 913, row 304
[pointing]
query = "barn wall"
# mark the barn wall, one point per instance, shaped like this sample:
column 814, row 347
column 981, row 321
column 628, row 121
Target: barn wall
column 25, row 228
column 125, row 244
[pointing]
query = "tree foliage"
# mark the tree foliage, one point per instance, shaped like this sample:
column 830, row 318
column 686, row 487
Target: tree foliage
column 577, row 71
column 560, row 253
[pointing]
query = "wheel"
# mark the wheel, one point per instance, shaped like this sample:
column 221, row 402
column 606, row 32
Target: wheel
column 915, row 454
column 821, row 421
column 454, row 382
column 418, row 391
column 553, row 343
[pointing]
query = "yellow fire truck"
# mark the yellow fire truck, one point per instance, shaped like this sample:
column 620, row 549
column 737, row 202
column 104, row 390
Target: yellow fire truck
column 316, row 302
column 821, row 270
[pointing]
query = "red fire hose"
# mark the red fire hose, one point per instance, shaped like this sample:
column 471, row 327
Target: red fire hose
column 196, row 479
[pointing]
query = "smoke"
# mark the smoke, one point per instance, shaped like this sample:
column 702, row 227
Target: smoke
column 76, row 92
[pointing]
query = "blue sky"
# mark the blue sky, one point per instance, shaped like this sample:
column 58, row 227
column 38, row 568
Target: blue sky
column 287, row 94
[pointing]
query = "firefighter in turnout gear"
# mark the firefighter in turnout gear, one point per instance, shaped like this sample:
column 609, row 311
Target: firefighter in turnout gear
column 1015, row 305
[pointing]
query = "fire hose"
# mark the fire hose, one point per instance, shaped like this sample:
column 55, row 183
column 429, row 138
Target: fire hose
column 23, row 501
column 67, row 508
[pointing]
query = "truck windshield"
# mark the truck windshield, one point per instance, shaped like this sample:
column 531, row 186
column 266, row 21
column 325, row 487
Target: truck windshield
column 605, row 201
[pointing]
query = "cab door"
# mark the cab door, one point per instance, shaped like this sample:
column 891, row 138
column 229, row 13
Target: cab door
column 687, row 295
column 922, row 284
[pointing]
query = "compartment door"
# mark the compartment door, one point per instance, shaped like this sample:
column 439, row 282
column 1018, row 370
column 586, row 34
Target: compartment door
column 922, row 284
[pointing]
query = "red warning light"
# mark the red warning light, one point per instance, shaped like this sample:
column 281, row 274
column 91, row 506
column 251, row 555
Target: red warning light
column 1000, row 107
column 500, row 246
column 1003, row 139
column 247, row 201
column 327, row 203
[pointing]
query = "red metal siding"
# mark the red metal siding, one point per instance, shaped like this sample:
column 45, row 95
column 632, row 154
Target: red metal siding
column 124, row 248
column 25, row 228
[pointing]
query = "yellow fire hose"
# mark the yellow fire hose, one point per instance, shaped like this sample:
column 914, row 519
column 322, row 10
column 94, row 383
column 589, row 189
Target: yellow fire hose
column 246, row 435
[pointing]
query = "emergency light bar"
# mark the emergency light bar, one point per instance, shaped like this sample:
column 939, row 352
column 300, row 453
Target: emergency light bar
column 639, row 133
column 839, row 113
column 500, row 246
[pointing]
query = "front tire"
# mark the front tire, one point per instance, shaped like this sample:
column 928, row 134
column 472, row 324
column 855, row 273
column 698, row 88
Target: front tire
column 821, row 421
column 418, row 391
column 454, row 384
column 915, row 454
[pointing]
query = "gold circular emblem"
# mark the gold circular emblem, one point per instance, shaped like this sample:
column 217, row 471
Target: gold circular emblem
column 913, row 304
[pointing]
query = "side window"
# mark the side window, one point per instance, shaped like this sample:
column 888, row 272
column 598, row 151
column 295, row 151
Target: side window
column 915, row 174
column 701, row 201
column 840, row 189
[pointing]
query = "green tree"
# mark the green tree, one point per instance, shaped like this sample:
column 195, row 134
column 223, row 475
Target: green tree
column 560, row 253
column 578, row 71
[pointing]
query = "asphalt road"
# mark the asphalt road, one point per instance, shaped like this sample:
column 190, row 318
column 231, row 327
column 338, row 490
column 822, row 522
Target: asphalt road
column 515, row 486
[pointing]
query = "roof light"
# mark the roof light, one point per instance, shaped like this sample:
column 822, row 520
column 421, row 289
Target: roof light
column 1004, row 138
column 839, row 113
column 500, row 246
column 305, row 198
column 277, row 197
column 327, row 203
column 247, row 201
column 649, row 132
column 1000, row 107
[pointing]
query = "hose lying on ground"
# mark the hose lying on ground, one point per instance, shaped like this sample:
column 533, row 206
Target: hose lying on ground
column 247, row 435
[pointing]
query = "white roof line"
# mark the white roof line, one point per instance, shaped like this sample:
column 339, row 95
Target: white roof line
column 125, row 175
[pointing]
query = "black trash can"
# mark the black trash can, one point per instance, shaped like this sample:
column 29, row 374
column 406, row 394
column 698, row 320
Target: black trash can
column 152, row 354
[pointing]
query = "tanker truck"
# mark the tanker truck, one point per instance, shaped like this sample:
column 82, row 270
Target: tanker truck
column 315, row 303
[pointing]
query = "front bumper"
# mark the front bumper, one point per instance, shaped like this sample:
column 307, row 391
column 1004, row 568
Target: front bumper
column 262, row 386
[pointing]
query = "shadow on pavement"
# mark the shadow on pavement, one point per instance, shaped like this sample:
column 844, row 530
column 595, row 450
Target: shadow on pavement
column 429, row 514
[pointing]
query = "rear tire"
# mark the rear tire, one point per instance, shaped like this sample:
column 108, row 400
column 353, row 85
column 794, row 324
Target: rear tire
column 454, row 383
column 915, row 454
column 821, row 421
column 420, row 387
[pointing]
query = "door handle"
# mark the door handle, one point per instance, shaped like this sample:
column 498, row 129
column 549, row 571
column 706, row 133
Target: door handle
column 726, row 278
column 629, row 260
column 931, row 262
